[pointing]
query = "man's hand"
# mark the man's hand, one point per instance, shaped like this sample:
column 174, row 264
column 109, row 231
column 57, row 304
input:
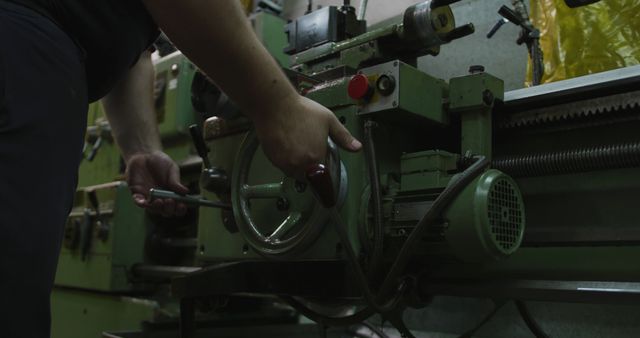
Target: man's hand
column 155, row 170
column 293, row 133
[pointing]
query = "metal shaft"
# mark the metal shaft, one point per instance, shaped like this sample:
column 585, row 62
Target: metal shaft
column 363, row 9
column 442, row 3
column 187, row 199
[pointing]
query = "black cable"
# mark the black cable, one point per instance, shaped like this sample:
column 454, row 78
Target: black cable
column 376, row 199
column 530, row 321
column 485, row 320
column 322, row 330
column 375, row 330
column 443, row 200
column 457, row 184
column 352, row 319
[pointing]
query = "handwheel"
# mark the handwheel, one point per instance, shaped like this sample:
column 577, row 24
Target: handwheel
column 278, row 215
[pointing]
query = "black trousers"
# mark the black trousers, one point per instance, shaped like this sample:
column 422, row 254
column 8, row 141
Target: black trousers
column 43, row 106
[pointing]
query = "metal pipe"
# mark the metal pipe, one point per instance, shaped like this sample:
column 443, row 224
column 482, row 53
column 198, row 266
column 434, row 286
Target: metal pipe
column 363, row 9
column 186, row 199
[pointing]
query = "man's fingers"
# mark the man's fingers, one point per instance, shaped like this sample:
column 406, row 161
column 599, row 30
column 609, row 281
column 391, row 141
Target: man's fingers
column 169, row 207
column 140, row 200
column 341, row 136
column 181, row 209
column 174, row 183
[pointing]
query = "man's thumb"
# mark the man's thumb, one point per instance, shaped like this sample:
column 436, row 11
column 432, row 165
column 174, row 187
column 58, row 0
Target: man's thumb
column 175, row 185
column 341, row 136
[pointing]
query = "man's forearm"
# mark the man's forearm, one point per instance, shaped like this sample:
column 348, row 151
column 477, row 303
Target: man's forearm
column 129, row 108
column 217, row 37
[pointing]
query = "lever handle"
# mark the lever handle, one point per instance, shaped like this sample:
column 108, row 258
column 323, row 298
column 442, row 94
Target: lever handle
column 101, row 221
column 201, row 147
column 320, row 181
column 510, row 15
column 94, row 149
column 86, row 234
column 187, row 199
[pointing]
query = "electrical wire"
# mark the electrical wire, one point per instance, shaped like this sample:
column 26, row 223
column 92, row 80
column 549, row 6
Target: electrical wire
column 443, row 200
column 456, row 186
column 376, row 199
column 375, row 330
column 352, row 319
column 485, row 320
column 529, row 320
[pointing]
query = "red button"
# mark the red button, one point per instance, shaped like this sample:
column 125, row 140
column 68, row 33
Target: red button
column 359, row 87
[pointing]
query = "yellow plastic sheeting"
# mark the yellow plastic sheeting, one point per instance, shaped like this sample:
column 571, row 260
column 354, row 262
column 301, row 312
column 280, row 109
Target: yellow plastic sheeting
column 586, row 40
column 247, row 5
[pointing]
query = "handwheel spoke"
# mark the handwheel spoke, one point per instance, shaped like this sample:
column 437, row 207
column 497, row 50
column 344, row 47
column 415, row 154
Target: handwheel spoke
column 269, row 190
column 286, row 226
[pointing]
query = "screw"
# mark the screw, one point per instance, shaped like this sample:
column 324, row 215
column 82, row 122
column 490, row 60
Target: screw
column 282, row 204
column 175, row 69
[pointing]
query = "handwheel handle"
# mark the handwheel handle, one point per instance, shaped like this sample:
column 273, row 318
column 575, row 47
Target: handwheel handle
column 319, row 179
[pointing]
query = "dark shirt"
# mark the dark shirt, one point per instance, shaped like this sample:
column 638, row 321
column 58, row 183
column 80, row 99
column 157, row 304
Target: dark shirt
column 111, row 33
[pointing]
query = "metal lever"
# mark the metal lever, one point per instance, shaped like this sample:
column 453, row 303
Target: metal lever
column 187, row 199
column 101, row 222
column 201, row 147
column 496, row 27
column 442, row 3
column 94, row 149
column 511, row 15
column 320, row 180
column 86, row 234
column 270, row 6
column 459, row 32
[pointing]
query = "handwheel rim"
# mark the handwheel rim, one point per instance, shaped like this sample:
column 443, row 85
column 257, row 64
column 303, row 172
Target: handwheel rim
column 304, row 231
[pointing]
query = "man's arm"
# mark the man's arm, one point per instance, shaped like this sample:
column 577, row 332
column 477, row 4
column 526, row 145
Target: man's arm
column 217, row 37
column 130, row 111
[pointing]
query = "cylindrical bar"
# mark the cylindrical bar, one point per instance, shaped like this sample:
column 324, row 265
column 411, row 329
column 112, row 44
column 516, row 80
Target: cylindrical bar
column 186, row 199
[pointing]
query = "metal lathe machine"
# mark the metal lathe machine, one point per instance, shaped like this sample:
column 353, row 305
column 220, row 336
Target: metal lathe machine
column 461, row 189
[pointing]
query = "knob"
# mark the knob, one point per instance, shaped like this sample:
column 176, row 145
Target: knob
column 320, row 181
column 386, row 85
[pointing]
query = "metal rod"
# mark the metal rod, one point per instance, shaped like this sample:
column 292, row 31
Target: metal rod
column 460, row 32
column 442, row 3
column 187, row 199
column 363, row 9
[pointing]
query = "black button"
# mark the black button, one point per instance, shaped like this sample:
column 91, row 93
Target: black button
column 386, row 85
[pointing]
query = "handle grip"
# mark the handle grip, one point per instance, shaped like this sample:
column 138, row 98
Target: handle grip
column 186, row 199
column 511, row 15
column 201, row 147
column 320, row 181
